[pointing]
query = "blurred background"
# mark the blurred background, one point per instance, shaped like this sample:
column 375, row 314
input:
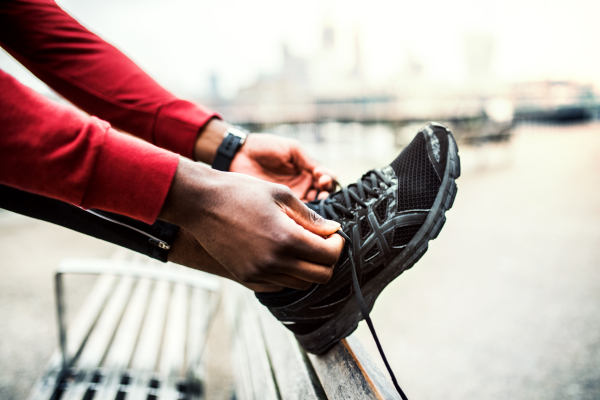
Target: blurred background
column 506, row 302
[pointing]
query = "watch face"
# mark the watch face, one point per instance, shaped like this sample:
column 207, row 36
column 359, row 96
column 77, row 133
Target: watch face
column 238, row 133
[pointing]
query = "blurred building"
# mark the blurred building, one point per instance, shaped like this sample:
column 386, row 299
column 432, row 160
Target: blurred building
column 555, row 101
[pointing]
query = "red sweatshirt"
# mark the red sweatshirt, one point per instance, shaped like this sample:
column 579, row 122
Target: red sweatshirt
column 57, row 151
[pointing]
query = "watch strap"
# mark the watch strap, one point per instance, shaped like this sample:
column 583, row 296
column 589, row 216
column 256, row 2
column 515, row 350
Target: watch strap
column 226, row 151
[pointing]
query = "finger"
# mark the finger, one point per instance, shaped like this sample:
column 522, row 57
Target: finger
column 311, row 195
column 288, row 281
column 272, row 282
column 320, row 171
column 310, row 247
column 309, row 271
column 263, row 288
column 304, row 216
column 325, row 182
column 302, row 160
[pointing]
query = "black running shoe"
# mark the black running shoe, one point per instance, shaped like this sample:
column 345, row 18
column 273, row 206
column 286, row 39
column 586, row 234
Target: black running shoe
column 388, row 217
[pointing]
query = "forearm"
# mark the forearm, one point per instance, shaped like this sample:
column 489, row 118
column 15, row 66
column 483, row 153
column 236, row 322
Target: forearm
column 55, row 151
column 96, row 76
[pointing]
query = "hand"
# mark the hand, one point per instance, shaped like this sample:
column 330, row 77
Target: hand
column 281, row 160
column 259, row 231
column 270, row 158
column 187, row 251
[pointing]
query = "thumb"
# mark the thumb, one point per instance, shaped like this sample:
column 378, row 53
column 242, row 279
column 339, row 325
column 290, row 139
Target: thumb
column 305, row 217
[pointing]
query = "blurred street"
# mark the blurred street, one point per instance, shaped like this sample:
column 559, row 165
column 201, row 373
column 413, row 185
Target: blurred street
column 505, row 304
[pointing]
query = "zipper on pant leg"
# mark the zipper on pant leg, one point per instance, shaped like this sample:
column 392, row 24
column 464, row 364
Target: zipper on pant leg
column 152, row 239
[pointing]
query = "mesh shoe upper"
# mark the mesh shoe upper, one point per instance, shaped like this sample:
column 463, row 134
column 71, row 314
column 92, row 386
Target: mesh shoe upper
column 381, row 213
column 418, row 182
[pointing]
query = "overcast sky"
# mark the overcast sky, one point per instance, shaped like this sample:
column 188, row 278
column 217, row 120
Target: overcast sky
column 182, row 42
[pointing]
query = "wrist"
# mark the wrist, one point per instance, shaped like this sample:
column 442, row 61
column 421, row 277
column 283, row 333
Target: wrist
column 191, row 190
column 209, row 140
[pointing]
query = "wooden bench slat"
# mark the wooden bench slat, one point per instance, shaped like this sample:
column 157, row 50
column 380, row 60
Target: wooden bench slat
column 347, row 372
column 173, row 349
column 97, row 345
column 260, row 368
column 91, row 309
column 232, row 307
column 252, row 348
column 243, row 386
column 197, row 329
column 293, row 371
column 121, row 350
column 146, row 353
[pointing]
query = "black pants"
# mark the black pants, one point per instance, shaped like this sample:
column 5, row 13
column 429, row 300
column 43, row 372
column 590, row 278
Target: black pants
column 151, row 240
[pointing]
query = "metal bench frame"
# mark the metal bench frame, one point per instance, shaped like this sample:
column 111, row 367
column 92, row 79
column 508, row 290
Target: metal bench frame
column 75, row 372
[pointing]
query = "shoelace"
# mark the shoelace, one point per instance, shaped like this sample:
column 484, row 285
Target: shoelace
column 365, row 187
column 365, row 313
column 329, row 208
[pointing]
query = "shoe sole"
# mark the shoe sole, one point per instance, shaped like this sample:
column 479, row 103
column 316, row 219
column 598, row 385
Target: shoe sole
column 342, row 325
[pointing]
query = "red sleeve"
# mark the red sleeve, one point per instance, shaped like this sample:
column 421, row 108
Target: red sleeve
column 57, row 151
column 96, row 76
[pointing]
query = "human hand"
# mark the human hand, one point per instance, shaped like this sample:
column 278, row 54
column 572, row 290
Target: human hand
column 259, row 231
column 281, row 160
column 270, row 158
column 187, row 251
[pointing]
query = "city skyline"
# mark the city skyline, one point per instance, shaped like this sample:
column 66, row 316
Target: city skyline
column 183, row 43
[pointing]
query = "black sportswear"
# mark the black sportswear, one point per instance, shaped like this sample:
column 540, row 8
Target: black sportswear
column 151, row 240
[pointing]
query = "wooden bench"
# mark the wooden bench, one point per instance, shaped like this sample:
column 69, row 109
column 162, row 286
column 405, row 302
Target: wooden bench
column 115, row 348
column 139, row 334
column 270, row 364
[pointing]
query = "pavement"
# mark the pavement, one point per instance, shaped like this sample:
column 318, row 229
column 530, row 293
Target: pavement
column 505, row 304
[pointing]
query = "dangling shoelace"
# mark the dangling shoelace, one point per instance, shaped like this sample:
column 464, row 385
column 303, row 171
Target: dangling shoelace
column 328, row 207
column 365, row 313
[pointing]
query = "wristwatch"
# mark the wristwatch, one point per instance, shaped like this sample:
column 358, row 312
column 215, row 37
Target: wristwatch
column 231, row 144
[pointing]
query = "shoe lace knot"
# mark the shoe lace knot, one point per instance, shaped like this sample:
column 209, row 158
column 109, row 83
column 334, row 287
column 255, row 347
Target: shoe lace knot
column 343, row 202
